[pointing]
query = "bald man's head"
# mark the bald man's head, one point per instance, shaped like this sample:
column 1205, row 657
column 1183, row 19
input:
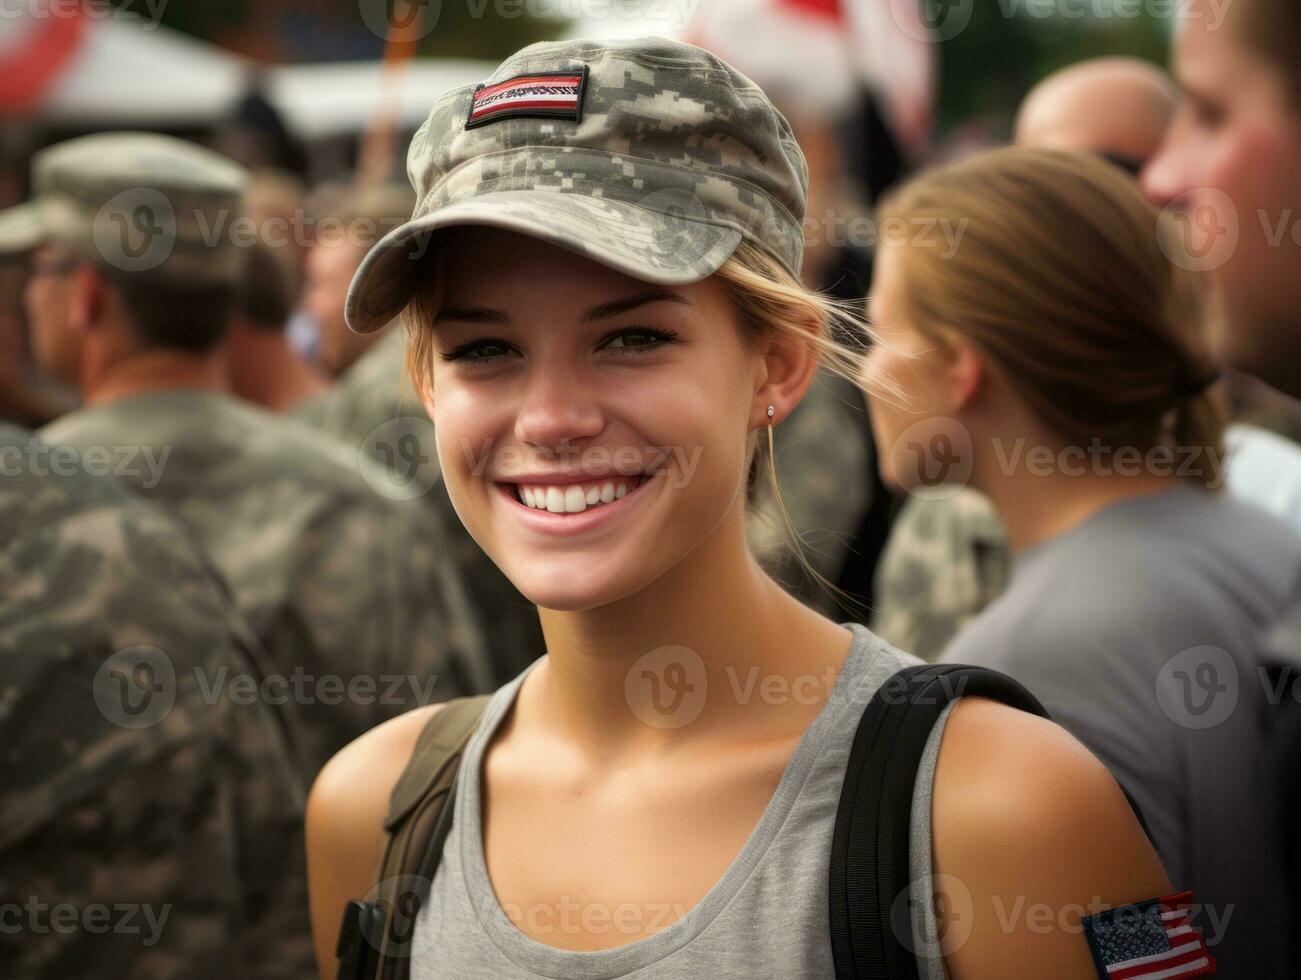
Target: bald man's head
column 1119, row 107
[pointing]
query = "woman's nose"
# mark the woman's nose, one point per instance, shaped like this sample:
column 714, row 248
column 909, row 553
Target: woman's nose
column 556, row 409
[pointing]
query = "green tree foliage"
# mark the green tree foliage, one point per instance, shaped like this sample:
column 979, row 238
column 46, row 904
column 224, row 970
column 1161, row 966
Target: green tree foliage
column 463, row 28
column 1008, row 45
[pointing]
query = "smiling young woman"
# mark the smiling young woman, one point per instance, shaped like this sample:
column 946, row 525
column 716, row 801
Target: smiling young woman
column 601, row 289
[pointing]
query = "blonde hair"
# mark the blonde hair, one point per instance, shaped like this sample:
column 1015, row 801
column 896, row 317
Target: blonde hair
column 770, row 304
column 1062, row 277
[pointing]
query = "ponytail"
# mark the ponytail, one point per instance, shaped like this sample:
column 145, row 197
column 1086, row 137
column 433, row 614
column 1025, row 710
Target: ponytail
column 1199, row 421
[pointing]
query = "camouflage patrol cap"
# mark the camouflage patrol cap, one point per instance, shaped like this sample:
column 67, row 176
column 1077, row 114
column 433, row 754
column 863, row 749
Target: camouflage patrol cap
column 134, row 202
column 650, row 156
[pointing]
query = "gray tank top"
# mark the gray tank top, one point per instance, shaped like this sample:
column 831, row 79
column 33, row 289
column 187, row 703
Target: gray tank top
column 765, row 917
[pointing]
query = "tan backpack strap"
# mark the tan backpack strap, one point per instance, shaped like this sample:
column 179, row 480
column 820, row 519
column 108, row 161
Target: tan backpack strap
column 418, row 821
column 438, row 747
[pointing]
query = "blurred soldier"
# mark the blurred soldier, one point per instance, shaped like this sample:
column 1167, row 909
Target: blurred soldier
column 348, row 223
column 25, row 398
column 946, row 560
column 275, row 201
column 348, row 587
column 263, row 367
column 150, row 825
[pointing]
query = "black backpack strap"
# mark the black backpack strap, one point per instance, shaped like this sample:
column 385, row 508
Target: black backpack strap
column 871, row 930
column 375, row 936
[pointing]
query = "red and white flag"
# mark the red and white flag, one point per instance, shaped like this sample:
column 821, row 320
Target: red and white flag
column 547, row 94
column 1152, row 940
column 36, row 47
column 814, row 55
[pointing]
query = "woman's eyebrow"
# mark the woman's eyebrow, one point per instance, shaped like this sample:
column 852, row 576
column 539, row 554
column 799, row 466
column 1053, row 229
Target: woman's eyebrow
column 471, row 314
column 606, row 310
column 602, row 311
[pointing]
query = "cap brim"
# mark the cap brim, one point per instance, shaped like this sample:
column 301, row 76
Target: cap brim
column 653, row 245
column 22, row 228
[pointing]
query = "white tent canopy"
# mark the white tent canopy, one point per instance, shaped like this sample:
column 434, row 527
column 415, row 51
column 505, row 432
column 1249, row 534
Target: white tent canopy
column 330, row 99
column 128, row 75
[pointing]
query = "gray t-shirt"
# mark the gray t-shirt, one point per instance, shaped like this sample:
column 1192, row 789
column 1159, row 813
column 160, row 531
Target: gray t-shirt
column 766, row 917
column 1139, row 630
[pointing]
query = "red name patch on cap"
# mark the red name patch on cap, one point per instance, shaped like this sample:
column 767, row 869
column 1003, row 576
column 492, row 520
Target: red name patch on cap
column 543, row 94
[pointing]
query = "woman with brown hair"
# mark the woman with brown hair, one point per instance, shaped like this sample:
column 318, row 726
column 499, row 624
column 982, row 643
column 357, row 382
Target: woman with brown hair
column 1055, row 360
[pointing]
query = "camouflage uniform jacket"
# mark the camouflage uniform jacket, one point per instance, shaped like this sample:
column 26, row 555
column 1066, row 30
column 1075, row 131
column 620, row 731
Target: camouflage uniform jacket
column 351, row 592
column 148, row 827
column 946, row 560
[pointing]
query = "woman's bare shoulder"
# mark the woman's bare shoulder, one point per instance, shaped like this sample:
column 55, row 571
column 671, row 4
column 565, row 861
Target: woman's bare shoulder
column 1030, row 833
column 374, row 761
column 345, row 821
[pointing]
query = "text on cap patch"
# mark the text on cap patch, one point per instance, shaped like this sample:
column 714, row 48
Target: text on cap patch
column 544, row 94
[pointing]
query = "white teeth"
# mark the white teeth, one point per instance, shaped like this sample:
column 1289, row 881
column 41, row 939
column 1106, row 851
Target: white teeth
column 573, row 499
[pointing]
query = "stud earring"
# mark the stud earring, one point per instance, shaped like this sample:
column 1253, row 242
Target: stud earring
column 771, row 412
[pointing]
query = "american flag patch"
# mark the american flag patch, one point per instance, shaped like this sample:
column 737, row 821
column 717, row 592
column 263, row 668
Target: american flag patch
column 1152, row 940
column 548, row 94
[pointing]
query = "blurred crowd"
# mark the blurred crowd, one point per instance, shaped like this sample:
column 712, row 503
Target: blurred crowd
column 225, row 552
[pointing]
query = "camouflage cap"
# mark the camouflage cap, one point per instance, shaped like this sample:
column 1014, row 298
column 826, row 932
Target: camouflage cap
column 650, row 156
column 135, row 202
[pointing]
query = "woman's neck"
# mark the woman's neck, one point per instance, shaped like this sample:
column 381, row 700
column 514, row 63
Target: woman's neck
column 1038, row 507
column 714, row 645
